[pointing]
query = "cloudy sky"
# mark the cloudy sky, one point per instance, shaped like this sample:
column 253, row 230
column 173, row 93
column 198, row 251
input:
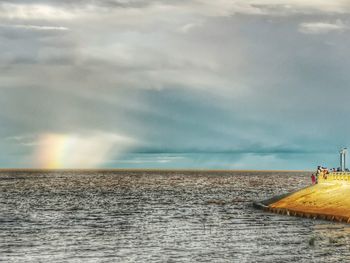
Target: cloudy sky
column 225, row 84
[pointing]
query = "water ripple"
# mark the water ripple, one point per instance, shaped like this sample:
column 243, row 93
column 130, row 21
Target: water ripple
column 145, row 216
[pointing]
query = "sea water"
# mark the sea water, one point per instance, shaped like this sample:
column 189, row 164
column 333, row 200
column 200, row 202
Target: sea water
column 158, row 216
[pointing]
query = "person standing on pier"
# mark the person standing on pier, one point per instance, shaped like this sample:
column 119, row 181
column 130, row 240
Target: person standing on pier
column 313, row 179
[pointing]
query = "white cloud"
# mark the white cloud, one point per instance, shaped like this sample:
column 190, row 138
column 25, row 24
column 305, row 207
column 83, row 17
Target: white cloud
column 37, row 27
column 23, row 140
column 321, row 27
column 153, row 12
column 190, row 26
column 34, row 27
column 302, row 6
column 34, row 11
column 150, row 159
column 268, row 7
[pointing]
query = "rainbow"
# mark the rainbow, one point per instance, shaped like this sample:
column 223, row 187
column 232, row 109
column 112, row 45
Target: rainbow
column 55, row 151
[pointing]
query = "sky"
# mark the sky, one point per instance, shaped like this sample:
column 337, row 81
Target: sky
column 225, row 84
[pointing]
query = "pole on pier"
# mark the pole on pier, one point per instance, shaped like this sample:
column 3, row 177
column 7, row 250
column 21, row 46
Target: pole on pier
column 343, row 159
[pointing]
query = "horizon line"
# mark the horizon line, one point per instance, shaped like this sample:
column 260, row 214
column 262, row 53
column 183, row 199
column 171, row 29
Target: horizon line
column 146, row 169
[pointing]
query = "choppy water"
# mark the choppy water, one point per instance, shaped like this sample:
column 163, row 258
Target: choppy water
column 147, row 216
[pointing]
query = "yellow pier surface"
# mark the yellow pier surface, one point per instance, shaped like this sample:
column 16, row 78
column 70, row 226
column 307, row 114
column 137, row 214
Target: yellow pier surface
column 329, row 199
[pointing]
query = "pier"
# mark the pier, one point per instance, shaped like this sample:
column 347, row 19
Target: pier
column 329, row 199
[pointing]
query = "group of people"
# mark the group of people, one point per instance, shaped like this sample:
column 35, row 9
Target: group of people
column 320, row 170
column 324, row 171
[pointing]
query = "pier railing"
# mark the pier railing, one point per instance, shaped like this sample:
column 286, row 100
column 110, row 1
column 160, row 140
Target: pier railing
column 334, row 177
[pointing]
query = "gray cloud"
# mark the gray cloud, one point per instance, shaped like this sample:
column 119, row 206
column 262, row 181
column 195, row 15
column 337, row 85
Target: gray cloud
column 178, row 77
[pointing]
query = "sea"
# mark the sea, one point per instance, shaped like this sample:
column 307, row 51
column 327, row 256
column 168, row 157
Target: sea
column 158, row 216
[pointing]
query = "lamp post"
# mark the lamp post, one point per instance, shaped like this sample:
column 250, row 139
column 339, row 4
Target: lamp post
column 343, row 159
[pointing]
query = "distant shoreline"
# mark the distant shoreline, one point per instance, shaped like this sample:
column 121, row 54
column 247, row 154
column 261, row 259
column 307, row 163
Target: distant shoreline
column 142, row 169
